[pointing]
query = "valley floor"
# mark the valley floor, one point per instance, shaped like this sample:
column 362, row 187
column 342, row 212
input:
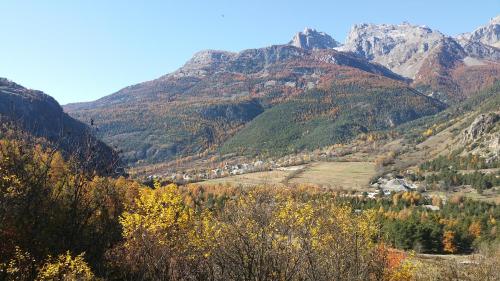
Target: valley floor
column 338, row 175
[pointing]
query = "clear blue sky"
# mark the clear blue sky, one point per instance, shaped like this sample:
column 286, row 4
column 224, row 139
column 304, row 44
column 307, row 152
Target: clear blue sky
column 84, row 50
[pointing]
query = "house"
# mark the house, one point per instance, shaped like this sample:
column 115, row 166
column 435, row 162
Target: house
column 394, row 185
column 217, row 172
column 258, row 163
column 431, row 207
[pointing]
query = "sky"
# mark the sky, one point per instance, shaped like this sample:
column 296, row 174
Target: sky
column 82, row 50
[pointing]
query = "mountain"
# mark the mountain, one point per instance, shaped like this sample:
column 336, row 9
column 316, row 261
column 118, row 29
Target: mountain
column 311, row 39
column 335, row 112
column 237, row 73
column 451, row 74
column 217, row 95
column 401, row 47
column 435, row 62
column 41, row 116
column 488, row 34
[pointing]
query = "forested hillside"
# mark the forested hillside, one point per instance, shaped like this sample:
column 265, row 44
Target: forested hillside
column 335, row 113
column 196, row 109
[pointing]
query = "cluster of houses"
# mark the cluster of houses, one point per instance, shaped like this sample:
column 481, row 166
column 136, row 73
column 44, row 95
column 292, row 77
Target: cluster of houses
column 239, row 169
column 225, row 170
column 235, row 168
column 390, row 184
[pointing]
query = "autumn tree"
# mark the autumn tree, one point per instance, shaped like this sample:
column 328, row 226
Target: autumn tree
column 262, row 234
column 49, row 205
column 65, row 268
column 449, row 244
column 157, row 230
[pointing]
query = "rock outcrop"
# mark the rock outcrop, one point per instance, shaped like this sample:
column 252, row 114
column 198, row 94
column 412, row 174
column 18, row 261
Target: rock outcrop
column 401, row 47
column 480, row 126
column 311, row 39
column 41, row 116
column 482, row 137
column 488, row 34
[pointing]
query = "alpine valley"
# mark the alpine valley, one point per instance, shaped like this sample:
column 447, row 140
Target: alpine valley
column 310, row 93
column 375, row 159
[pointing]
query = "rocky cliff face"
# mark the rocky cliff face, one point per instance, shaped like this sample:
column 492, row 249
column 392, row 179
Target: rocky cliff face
column 208, row 62
column 478, row 50
column 404, row 47
column 484, row 42
column 41, row 116
column 488, row 34
column 311, row 39
column 401, row 47
column 438, row 64
column 483, row 136
column 203, row 62
column 480, row 126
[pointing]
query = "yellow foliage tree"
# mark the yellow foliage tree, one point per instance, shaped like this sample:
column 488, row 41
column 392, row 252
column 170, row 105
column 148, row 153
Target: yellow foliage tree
column 475, row 229
column 157, row 211
column 20, row 267
column 65, row 268
column 428, row 132
column 157, row 232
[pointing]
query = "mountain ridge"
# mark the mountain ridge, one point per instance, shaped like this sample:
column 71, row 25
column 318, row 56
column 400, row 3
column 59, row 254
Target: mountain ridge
column 211, row 62
column 409, row 50
column 41, row 116
column 211, row 101
column 251, row 82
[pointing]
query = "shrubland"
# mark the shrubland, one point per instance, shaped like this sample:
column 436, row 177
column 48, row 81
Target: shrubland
column 62, row 222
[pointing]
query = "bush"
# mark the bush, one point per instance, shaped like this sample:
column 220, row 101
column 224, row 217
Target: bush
column 65, row 268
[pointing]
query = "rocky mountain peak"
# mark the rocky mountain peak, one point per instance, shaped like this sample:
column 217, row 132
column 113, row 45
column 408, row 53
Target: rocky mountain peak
column 488, row 34
column 203, row 62
column 400, row 47
column 210, row 57
column 310, row 39
column 495, row 20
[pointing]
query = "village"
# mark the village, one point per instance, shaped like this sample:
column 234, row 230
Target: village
column 383, row 185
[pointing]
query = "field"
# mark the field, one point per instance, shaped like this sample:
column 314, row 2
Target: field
column 341, row 175
column 492, row 195
column 258, row 178
column 345, row 175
